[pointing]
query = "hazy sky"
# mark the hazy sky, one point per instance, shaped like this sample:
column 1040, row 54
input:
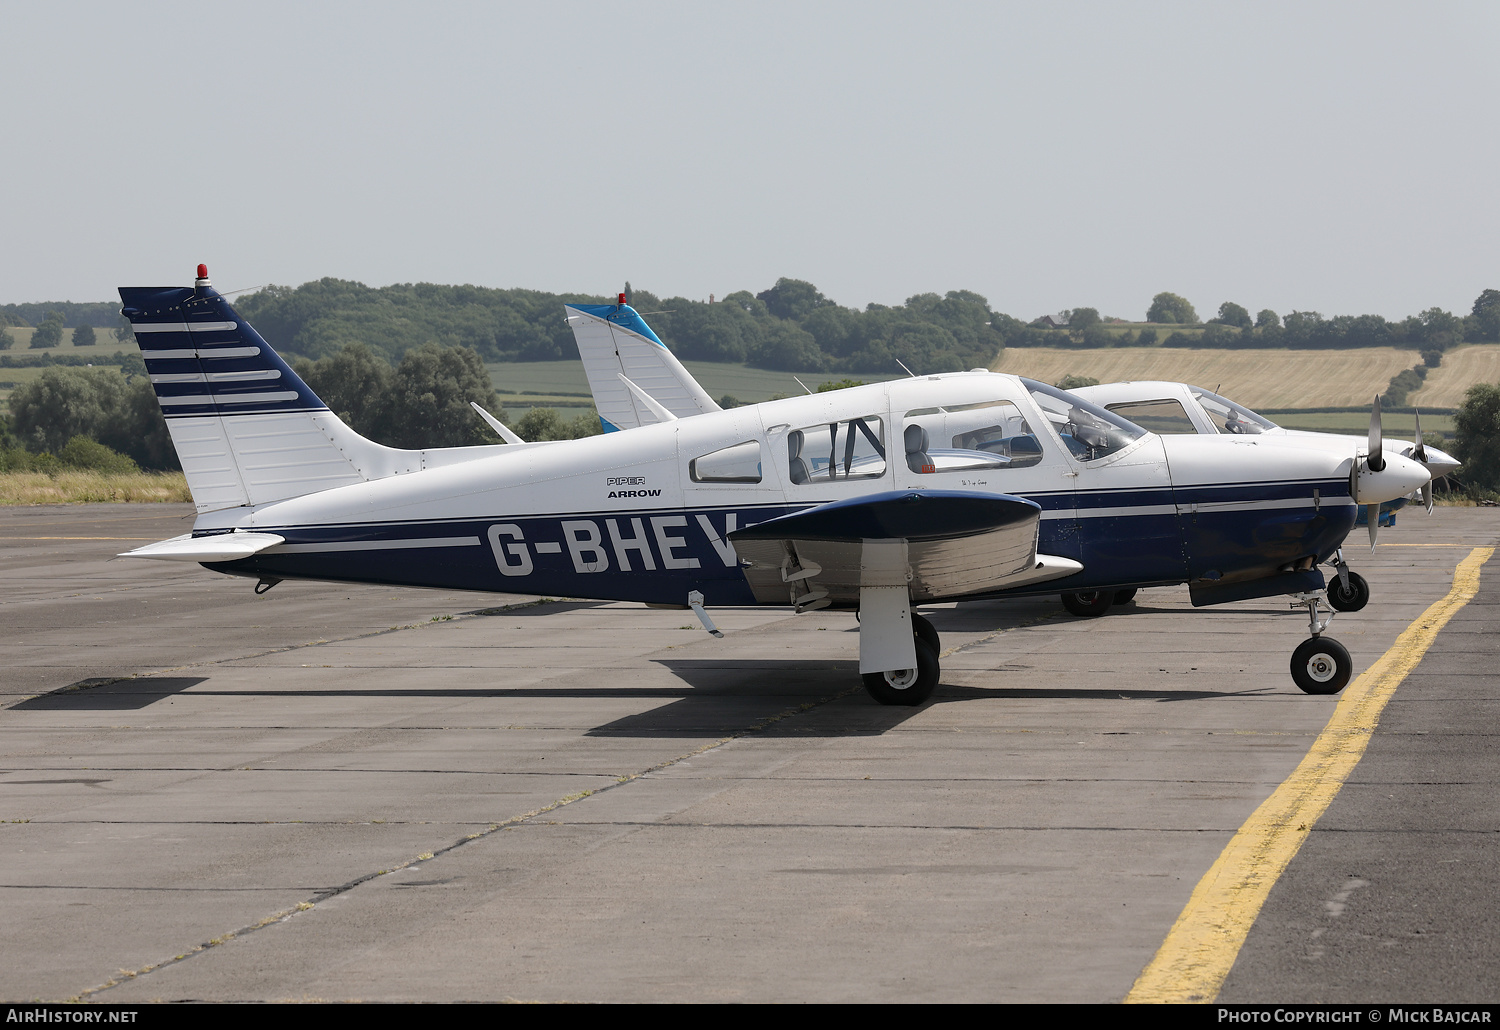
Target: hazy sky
column 1339, row 157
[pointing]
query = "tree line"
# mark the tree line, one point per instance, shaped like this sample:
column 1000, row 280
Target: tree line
column 1432, row 330
column 791, row 326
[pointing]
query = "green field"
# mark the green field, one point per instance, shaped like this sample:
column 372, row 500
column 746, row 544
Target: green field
column 101, row 352
column 1357, row 423
column 10, row 378
column 106, row 343
column 563, row 384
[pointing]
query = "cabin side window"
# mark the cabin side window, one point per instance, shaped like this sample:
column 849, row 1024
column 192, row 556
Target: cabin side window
column 852, row 449
column 1229, row 417
column 1088, row 431
column 1167, row 417
column 737, row 463
column 969, row 437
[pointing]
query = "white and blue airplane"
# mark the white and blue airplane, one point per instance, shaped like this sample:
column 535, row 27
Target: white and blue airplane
column 1171, row 408
column 871, row 499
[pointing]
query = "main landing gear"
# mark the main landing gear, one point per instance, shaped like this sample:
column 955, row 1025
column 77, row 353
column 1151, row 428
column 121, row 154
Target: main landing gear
column 1320, row 665
column 1092, row 603
column 910, row 686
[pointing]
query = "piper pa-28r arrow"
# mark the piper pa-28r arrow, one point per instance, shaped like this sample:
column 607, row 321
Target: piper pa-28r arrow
column 869, row 499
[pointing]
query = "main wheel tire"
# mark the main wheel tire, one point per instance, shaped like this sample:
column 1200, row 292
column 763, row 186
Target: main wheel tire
column 908, row 686
column 1321, row 665
column 1089, row 604
column 1352, row 599
column 926, row 631
column 1124, row 596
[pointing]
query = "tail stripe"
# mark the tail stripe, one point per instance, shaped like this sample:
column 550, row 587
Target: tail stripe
column 258, row 397
column 222, row 352
column 182, row 327
column 227, row 370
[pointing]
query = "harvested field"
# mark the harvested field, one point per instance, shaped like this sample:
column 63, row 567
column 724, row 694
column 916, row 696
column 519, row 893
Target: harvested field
column 1257, row 378
column 1461, row 369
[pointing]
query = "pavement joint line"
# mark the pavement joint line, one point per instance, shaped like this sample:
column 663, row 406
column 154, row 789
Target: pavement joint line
column 961, row 648
column 1202, row 945
column 126, row 975
column 105, row 681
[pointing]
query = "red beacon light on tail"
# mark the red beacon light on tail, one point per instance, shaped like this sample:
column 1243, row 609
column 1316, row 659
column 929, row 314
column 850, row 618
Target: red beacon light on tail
column 622, row 300
column 202, row 276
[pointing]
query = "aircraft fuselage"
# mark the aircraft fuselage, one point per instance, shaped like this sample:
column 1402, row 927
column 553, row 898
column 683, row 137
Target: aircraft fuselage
column 646, row 515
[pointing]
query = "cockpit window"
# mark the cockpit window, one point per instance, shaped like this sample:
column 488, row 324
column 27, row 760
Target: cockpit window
column 1089, row 431
column 853, row 449
column 1229, row 417
column 1164, row 417
column 968, row 437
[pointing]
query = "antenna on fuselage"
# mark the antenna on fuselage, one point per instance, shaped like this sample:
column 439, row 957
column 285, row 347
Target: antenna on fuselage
column 803, row 385
column 494, row 423
column 904, row 368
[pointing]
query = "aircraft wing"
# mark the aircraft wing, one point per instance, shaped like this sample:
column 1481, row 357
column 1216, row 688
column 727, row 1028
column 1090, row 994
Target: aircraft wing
column 938, row 544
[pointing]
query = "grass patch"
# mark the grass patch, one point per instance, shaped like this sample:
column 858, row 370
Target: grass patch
column 87, row 487
column 1357, row 423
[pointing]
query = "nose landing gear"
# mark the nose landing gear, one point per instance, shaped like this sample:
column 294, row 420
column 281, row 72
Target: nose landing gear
column 1320, row 665
column 1348, row 591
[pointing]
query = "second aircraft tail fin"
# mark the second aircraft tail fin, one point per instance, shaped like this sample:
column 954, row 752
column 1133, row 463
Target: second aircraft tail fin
column 613, row 340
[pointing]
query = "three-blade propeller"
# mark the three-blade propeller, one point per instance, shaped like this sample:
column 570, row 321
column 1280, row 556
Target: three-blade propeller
column 1419, row 453
column 1375, row 462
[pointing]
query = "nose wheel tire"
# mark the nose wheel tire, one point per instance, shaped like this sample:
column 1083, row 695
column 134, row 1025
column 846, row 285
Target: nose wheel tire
column 1090, row 603
column 1352, row 599
column 907, row 686
column 1321, row 665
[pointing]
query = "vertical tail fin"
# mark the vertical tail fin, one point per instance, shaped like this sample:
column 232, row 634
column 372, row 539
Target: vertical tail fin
column 247, row 429
column 613, row 340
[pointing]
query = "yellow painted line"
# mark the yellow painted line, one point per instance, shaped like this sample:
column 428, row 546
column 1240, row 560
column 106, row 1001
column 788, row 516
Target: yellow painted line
column 1202, row 945
column 1424, row 545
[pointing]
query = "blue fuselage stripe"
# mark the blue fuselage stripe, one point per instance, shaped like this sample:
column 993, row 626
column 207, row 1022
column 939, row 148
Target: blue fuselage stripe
column 659, row 555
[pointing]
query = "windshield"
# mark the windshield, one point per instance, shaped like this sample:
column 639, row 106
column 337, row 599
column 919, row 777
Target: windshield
column 1229, row 417
column 1089, row 431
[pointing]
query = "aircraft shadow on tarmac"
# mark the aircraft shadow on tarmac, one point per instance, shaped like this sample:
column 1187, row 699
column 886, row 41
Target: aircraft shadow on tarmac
column 533, row 609
column 126, row 695
column 727, row 696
